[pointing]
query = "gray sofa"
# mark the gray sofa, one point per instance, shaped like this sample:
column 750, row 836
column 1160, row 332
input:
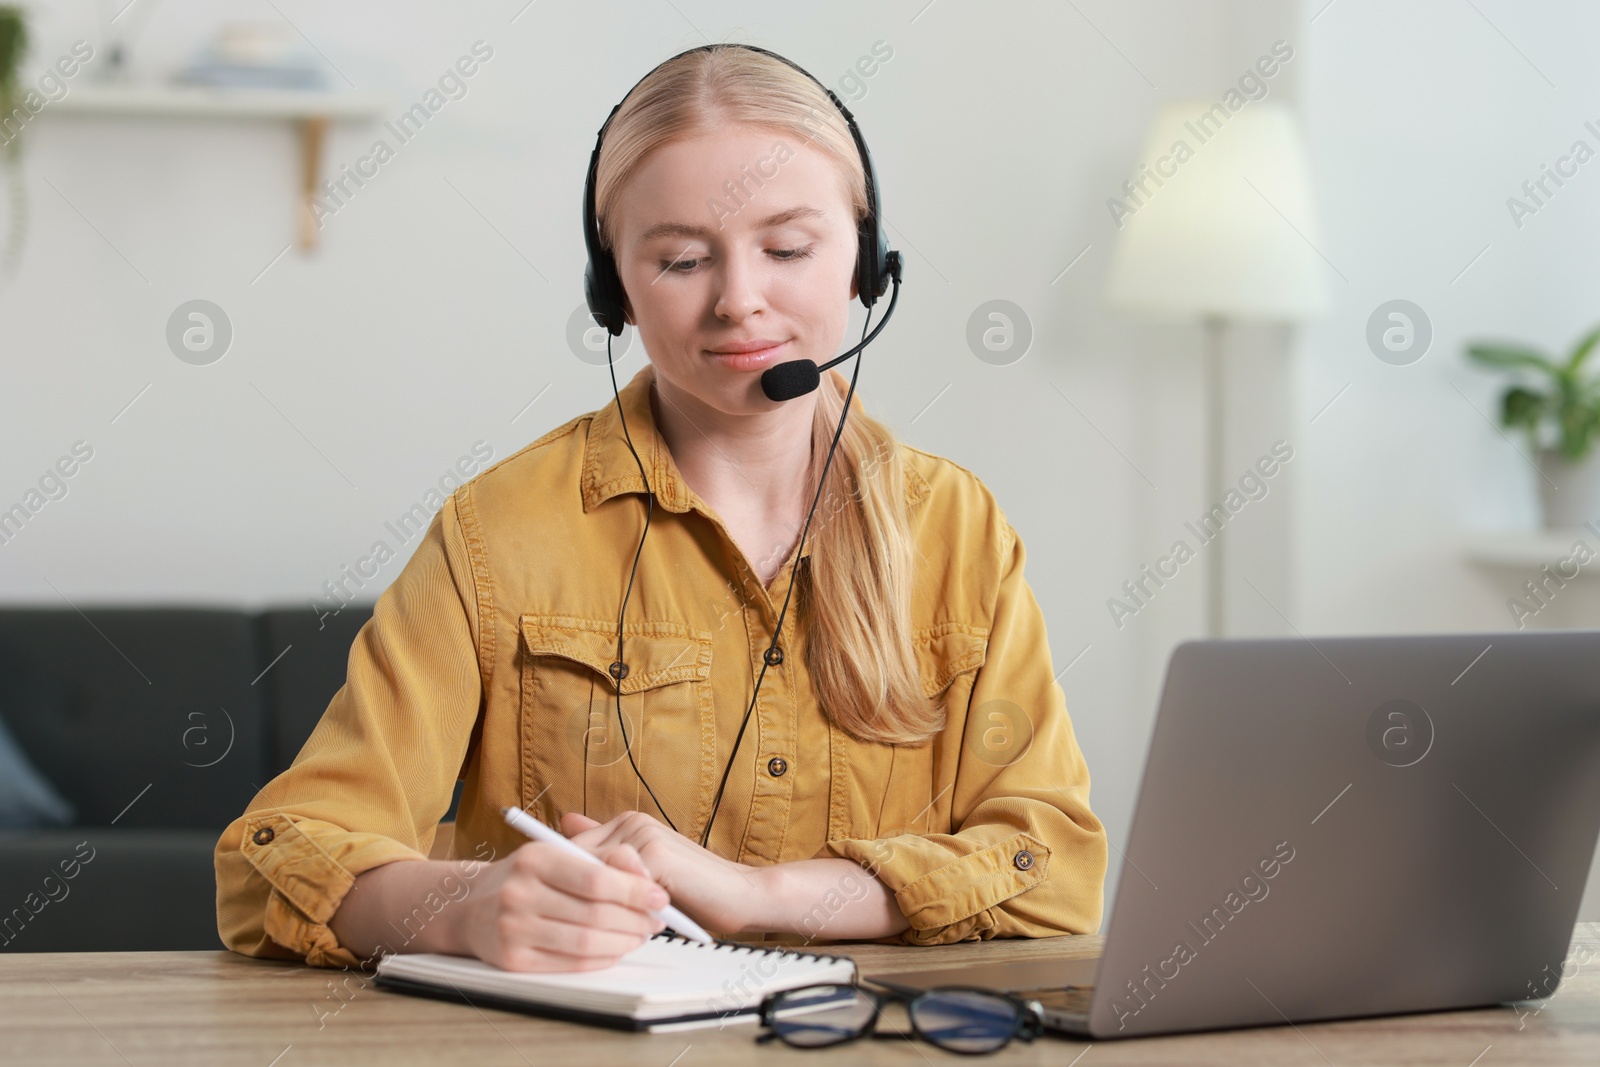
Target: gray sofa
column 158, row 725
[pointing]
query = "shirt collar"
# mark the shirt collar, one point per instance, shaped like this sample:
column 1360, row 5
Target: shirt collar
column 609, row 468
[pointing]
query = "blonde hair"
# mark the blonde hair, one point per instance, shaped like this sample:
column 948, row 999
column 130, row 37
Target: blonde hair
column 854, row 595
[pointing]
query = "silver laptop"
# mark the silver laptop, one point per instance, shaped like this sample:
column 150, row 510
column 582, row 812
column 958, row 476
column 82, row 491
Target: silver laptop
column 1343, row 827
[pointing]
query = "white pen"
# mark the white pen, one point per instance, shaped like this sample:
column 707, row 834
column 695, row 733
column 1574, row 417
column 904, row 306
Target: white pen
column 540, row 832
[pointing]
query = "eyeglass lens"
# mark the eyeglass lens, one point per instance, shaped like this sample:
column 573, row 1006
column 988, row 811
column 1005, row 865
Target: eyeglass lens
column 822, row 1015
column 955, row 1019
column 963, row 1020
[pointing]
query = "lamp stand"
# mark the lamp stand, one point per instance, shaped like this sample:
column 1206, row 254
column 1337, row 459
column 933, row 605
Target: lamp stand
column 1216, row 426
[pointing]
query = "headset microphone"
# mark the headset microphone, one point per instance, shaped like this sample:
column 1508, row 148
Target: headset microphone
column 797, row 377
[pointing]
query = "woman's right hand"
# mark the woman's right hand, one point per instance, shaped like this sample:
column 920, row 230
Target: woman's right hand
column 543, row 909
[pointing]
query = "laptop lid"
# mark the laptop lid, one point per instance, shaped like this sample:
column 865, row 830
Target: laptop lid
column 1338, row 827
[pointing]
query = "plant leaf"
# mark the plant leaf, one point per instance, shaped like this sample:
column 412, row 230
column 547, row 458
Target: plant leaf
column 1512, row 356
column 1521, row 407
column 1581, row 353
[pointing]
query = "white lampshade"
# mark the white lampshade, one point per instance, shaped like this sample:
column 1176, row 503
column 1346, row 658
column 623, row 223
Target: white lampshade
column 1203, row 242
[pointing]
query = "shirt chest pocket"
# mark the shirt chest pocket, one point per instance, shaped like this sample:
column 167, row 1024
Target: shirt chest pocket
column 575, row 753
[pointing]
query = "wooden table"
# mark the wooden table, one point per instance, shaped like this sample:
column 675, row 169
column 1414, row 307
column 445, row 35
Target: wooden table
column 220, row 1008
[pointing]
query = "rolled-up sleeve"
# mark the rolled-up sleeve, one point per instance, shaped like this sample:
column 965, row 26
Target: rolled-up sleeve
column 1026, row 857
column 377, row 773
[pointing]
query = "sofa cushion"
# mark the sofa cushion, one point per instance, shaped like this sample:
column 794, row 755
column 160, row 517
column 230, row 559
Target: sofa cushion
column 297, row 690
column 315, row 655
column 27, row 799
column 145, row 717
column 108, row 890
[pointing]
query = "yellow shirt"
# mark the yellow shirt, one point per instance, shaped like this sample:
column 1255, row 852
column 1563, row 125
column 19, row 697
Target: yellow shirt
column 487, row 660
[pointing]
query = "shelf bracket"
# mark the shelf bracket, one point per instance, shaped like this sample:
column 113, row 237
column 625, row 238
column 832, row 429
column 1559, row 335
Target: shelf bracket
column 313, row 135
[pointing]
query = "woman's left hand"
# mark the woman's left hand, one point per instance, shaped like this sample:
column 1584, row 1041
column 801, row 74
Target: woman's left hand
column 715, row 892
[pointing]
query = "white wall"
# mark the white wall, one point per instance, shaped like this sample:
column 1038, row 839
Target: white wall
column 1423, row 119
column 426, row 323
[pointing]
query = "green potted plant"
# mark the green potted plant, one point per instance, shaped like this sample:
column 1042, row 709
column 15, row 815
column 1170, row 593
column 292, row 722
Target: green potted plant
column 1558, row 406
column 13, row 44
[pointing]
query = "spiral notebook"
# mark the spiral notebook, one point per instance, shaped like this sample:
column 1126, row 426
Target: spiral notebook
column 667, row 983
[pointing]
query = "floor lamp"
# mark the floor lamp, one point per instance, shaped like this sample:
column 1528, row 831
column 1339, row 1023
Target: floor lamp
column 1216, row 225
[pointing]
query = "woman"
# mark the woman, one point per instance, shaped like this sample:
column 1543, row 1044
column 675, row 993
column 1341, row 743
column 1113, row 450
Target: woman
column 908, row 771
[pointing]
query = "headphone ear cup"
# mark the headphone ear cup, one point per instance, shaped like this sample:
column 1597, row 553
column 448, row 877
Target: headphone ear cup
column 880, row 259
column 872, row 261
column 602, row 289
column 866, row 264
column 589, row 295
column 872, row 258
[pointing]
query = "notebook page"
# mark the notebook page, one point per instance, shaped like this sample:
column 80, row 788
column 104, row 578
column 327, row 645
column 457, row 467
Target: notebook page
column 663, row 977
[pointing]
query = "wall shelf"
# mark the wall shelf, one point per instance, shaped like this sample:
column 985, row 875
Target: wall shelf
column 311, row 110
column 1528, row 550
column 203, row 101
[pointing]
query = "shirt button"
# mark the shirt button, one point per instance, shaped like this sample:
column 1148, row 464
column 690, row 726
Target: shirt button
column 776, row 766
column 1023, row 860
column 262, row 836
column 773, row 656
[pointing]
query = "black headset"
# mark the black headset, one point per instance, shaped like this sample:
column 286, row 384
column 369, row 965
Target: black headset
column 876, row 263
column 876, row 266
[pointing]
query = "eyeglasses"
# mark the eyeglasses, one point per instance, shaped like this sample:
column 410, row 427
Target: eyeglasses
column 955, row 1018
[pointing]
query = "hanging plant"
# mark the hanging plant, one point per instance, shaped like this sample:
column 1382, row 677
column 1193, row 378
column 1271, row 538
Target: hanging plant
column 13, row 44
